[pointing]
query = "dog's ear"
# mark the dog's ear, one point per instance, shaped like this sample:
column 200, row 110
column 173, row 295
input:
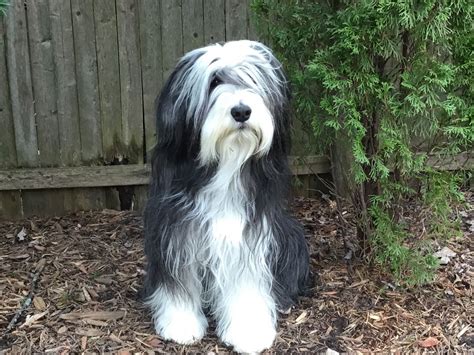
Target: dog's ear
column 174, row 132
column 281, row 105
column 174, row 158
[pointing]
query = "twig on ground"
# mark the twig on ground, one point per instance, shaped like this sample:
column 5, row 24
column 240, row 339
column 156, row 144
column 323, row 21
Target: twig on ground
column 28, row 298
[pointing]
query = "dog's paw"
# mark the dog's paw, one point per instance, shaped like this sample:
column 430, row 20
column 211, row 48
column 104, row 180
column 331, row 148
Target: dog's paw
column 250, row 337
column 181, row 326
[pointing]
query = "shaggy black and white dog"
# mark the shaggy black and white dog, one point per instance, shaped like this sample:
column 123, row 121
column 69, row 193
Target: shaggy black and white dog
column 219, row 238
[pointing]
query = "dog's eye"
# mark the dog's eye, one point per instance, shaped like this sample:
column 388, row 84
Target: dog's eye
column 215, row 82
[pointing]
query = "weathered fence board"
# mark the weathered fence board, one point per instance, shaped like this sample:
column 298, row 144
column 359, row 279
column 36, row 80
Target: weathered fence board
column 87, row 81
column 193, row 24
column 152, row 67
column 83, row 75
column 10, row 205
column 251, row 25
column 115, row 175
column 85, row 176
column 108, row 69
column 7, row 133
column 59, row 202
column 44, row 203
column 130, row 79
column 214, row 21
column 10, row 201
column 44, row 84
column 171, row 34
column 66, row 90
column 139, row 174
column 44, row 96
column 236, row 20
column 21, row 91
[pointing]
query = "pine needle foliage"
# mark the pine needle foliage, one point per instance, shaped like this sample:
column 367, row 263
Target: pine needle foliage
column 396, row 77
column 3, row 7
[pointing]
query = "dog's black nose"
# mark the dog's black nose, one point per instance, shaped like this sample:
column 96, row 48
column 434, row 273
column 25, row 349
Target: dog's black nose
column 241, row 112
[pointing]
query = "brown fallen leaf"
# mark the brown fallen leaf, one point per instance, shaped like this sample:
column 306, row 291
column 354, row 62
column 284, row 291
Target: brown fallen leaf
column 375, row 316
column 62, row 330
column 32, row 319
column 80, row 267
column 329, row 293
column 94, row 315
column 89, row 332
column 115, row 338
column 153, row 341
column 19, row 256
column 39, row 303
column 97, row 323
column 84, row 343
column 428, row 342
column 62, row 349
column 87, row 295
column 40, row 265
column 301, row 318
column 104, row 280
column 59, row 228
column 93, row 294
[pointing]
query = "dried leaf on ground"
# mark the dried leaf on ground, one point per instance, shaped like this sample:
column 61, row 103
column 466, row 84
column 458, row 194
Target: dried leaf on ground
column 428, row 342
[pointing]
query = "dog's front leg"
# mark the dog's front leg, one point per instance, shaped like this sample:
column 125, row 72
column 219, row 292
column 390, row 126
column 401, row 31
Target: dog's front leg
column 177, row 311
column 246, row 317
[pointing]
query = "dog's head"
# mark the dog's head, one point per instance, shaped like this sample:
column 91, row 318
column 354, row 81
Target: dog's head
column 225, row 102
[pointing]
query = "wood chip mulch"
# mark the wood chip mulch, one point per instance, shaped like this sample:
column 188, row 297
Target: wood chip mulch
column 72, row 284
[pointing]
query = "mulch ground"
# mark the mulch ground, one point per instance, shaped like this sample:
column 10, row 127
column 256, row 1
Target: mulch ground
column 72, row 284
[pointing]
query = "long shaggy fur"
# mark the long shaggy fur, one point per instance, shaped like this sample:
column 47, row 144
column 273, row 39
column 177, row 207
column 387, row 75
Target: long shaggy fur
column 218, row 234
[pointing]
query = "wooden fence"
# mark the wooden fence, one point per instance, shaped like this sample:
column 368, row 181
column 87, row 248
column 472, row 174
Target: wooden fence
column 79, row 77
column 78, row 82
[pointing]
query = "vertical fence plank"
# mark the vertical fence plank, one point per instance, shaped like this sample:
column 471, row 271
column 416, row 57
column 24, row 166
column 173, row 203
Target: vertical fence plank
column 7, row 134
column 43, row 202
column 87, row 82
column 44, row 85
column 130, row 79
column 193, row 24
column 84, row 199
column 105, row 17
column 140, row 196
column 171, row 35
column 52, row 202
column 45, row 103
column 19, row 78
column 10, row 201
column 65, row 76
column 251, row 23
column 152, row 67
column 214, row 21
column 235, row 20
column 10, row 205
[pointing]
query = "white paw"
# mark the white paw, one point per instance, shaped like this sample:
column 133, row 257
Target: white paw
column 251, row 336
column 181, row 326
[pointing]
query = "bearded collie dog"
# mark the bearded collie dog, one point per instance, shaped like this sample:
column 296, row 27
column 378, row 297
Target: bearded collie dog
column 219, row 239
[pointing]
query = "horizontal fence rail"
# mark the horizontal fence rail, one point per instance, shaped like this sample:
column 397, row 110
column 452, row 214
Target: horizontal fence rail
column 116, row 175
column 139, row 174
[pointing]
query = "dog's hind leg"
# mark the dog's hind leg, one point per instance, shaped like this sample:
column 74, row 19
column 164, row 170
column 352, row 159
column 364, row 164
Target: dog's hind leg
column 176, row 307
